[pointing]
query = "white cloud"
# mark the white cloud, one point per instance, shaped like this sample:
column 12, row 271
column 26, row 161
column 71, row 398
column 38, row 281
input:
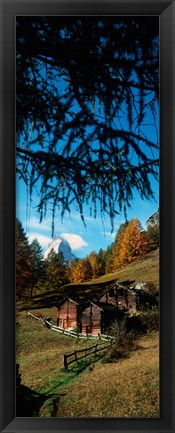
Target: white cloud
column 76, row 242
column 42, row 239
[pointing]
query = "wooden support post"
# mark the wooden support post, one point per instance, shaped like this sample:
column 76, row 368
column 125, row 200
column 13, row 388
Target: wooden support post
column 65, row 361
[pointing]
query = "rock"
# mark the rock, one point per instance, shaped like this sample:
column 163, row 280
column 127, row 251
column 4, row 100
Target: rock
column 153, row 220
column 142, row 286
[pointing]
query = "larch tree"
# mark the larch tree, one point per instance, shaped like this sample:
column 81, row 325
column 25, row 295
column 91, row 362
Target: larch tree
column 95, row 264
column 81, row 271
column 86, row 99
column 115, row 253
column 134, row 243
column 73, row 267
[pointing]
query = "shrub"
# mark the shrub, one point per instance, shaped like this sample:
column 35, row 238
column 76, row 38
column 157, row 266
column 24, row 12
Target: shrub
column 125, row 340
column 150, row 319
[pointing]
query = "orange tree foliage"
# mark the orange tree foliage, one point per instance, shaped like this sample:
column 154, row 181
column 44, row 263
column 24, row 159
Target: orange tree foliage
column 116, row 256
column 80, row 270
column 89, row 267
column 134, row 243
column 93, row 259
column 97, row 263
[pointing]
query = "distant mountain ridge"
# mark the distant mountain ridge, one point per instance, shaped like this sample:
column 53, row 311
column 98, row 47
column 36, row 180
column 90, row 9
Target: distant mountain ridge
column 153, row 220
column 60, row 244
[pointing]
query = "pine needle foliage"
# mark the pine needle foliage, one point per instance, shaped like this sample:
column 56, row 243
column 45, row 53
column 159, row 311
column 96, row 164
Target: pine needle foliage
column 85, row 88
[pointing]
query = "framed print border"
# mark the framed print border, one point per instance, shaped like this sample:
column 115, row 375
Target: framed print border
column 166, row 11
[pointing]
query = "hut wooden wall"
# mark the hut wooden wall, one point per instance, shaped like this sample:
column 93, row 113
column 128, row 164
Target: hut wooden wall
column 131, row 301
column 120, row 297
column 67, row 315
column 110, row 297
column 91, row 320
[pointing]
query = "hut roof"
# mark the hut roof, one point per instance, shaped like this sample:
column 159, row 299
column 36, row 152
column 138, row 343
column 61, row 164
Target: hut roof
column 67, row 299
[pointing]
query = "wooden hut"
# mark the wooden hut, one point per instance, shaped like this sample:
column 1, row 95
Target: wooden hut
column 91, row 318
column 119, row 296
column 97, row 318
column 67, row 314
column 96, row 315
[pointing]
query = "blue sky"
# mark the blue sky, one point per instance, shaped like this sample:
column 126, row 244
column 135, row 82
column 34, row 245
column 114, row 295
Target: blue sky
column 82, row 239
column 96, row 234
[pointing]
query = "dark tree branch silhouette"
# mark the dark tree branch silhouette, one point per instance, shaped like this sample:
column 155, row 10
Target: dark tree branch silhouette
column 86, row 87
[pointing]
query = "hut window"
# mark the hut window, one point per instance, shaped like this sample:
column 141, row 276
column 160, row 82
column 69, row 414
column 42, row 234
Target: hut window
column 111, row 293
column 121, row 292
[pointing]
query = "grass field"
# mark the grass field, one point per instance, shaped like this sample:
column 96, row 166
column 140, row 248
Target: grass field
column 127, row 387
column 91, row 388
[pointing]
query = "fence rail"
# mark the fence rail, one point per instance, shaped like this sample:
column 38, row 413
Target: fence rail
column 71, row 333
column 88, row 351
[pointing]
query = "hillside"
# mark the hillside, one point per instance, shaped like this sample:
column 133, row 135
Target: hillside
column 127, row 387
column 145, row 269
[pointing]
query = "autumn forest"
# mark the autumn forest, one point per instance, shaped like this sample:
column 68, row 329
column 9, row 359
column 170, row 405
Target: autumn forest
column 35, row 275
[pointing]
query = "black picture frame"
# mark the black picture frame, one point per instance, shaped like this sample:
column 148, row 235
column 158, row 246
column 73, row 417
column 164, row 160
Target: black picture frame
column 166, row 11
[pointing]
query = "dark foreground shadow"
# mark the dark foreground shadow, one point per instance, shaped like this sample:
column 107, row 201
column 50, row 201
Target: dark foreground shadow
column 29, row 402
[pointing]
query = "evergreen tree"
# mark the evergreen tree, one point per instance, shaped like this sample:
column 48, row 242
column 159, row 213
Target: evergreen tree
column 108, row 260
column 101, row 262
column 85, row 87
column 153, row 237
column 23, row 261
column 55, row 271
column 36, row 264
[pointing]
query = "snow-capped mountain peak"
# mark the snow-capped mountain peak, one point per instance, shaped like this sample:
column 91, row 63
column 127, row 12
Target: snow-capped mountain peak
column 58, row 244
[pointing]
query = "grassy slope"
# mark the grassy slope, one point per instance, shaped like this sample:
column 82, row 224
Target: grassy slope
column 128, row 388
column 39, row 352
column 144, row 269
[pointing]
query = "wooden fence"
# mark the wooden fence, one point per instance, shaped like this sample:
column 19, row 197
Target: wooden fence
column 87, row 351
column 71, row 333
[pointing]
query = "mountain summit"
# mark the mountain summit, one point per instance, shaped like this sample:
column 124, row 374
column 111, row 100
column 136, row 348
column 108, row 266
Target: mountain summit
column 60, row 244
